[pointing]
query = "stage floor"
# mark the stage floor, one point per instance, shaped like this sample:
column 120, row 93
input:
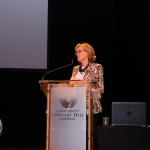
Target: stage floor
column 22, row 148
column 26, row 148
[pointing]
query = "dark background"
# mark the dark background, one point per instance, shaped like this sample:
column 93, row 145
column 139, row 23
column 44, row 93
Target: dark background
column 119, row 33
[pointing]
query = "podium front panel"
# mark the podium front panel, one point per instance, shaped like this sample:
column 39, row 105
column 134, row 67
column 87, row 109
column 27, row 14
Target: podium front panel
column 68, row 118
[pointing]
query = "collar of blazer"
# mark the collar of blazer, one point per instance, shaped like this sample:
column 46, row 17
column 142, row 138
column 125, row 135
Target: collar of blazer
column 87, row 72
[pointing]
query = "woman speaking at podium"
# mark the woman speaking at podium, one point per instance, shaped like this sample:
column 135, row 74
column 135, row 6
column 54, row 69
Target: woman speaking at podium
column 88, row 71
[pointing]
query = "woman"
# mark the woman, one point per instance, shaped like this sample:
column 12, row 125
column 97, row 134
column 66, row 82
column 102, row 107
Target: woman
column 90, row 72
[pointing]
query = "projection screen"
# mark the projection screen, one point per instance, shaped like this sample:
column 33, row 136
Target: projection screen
column 23, row 34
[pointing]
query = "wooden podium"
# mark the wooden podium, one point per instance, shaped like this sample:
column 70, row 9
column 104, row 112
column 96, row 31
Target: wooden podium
column 46, row 86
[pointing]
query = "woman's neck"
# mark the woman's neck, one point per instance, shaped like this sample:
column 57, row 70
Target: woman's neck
column 84, row 64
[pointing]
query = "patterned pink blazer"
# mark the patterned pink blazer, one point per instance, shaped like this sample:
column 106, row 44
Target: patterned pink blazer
column 94, row 76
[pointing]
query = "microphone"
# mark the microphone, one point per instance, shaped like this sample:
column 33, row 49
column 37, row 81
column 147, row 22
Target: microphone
column 57, row 69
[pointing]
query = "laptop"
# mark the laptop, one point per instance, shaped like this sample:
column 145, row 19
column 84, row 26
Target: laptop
column 128, row 114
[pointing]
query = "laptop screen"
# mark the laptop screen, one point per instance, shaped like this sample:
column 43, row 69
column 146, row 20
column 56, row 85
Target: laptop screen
column 128, row 114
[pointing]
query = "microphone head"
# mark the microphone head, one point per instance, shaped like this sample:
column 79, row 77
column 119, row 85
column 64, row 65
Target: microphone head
column 72, row 61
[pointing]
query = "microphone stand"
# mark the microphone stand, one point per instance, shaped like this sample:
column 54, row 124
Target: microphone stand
column 53, row 71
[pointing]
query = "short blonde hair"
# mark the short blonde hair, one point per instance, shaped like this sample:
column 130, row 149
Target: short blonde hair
column 89, row 49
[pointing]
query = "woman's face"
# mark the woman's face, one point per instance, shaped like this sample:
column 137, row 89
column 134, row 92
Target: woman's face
column 81, row 54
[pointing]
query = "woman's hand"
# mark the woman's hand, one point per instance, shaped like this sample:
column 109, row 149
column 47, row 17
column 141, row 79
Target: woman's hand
column 71, row 83
column 80, row 83
column 76, row 81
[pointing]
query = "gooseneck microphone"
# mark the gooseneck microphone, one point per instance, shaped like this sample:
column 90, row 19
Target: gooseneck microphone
column 57, row 69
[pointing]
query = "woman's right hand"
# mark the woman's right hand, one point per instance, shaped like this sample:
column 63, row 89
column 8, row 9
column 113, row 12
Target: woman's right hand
column 71, row 83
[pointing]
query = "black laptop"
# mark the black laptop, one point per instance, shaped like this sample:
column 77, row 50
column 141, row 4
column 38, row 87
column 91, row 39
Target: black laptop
column 128, row 114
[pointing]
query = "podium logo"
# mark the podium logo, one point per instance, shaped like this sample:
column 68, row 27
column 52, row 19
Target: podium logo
column 68, row 104
column 1, row 127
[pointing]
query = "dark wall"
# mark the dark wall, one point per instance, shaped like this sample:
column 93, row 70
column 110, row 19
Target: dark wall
column 119, row 34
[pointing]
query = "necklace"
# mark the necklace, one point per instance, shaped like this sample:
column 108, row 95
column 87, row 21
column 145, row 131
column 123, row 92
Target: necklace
column 82, row 70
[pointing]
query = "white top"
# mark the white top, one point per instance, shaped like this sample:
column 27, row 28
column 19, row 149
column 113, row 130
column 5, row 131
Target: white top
column 79, row 76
